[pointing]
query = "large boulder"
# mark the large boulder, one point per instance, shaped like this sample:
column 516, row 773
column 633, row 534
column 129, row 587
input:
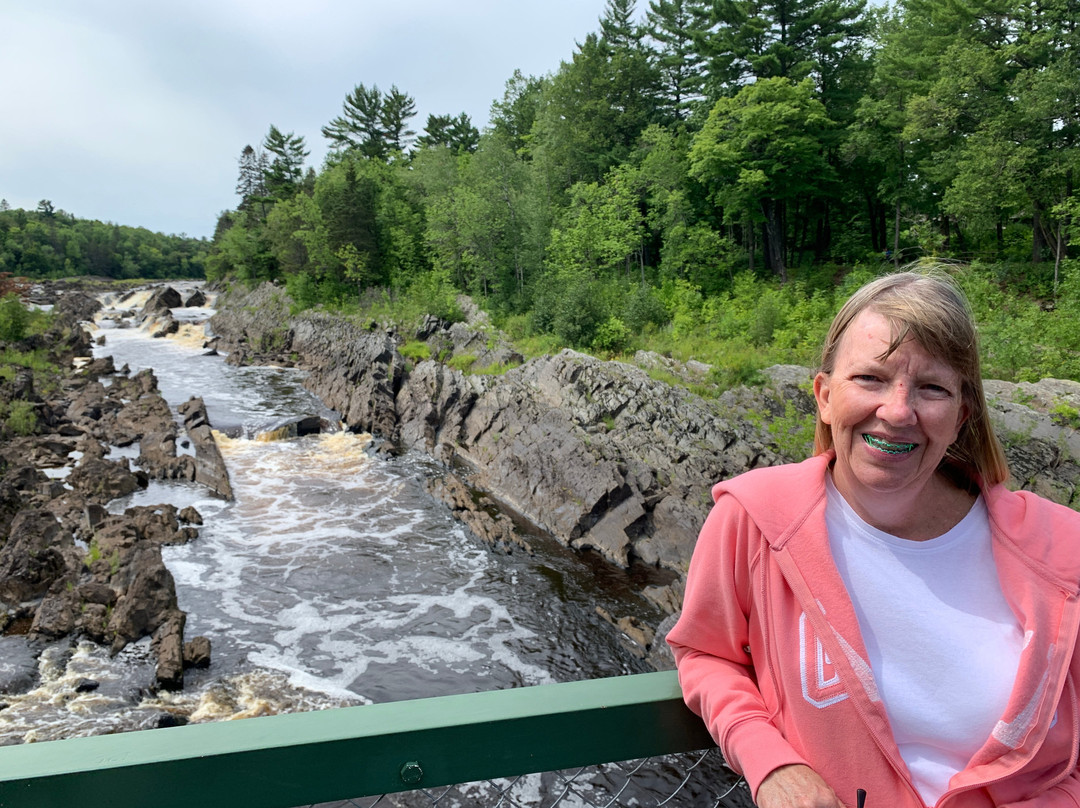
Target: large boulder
column 148, row 599
column 163, row 299
column 210, row 469
column 105, row 480
column 34, row 557
column 18, row 666
column 195, row 300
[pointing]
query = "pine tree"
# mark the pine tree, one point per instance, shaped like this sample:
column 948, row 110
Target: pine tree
column 397, row 109
column 672, row 24
column 746, row 40
column 286, row 169
column 372, row 123
column 436, row 132
column 360, row 125
column 251, row 183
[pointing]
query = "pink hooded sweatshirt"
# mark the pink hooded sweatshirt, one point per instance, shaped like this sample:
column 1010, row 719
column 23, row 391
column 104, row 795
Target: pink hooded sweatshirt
column 770, row 655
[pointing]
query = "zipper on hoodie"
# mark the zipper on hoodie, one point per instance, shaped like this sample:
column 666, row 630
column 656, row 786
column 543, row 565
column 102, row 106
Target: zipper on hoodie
column 857, row 692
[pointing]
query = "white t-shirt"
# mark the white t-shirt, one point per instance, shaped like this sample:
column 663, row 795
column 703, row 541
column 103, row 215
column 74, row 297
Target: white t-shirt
column 943, row 643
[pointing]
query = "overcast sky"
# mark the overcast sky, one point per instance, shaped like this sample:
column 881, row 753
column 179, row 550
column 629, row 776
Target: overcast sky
column 136, row 111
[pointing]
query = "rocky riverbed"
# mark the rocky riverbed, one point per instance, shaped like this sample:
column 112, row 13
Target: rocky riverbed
column 599, row 454
column 68, row 567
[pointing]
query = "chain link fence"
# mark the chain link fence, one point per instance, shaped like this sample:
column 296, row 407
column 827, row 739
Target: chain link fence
column 691, row 780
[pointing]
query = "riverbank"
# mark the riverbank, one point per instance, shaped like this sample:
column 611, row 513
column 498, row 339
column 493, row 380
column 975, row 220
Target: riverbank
column 598, row 454
column 69, row 567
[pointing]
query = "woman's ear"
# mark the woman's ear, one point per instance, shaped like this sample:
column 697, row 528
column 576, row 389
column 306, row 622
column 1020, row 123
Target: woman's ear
column 821, row 395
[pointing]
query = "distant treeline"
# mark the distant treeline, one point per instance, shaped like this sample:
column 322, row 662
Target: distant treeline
column 679, row 149
column 50, row 243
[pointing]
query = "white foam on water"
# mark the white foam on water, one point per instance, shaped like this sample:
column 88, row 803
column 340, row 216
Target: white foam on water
column 326, row 565
column 54, row 709
column 333, row 570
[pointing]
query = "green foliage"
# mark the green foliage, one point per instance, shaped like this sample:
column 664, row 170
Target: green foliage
column 433, row 293
column 56, row 244
column 495, row 369
column 793, row 432
column 572, row 308
column 37, row 360
column 415, row 350
column 462, row 362
column 1066, row 415
column 612, row 336
column 93, row 553
column 22, row 418
column 14, row 318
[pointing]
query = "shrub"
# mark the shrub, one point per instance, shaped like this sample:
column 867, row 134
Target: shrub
column 644, row 308
column 612, row 336
column 579, row 312
column 462, row 362
column 14, row 318
column 22, row 418
column 415, row 350
column 433, row 293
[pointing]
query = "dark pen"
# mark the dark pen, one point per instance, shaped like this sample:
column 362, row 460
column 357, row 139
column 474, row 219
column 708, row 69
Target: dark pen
column 860, row 798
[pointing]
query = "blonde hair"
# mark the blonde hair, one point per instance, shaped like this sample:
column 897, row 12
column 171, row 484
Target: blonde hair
column 930, row 309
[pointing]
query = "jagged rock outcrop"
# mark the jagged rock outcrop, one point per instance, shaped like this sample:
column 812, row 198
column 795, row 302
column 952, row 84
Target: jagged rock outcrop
column 161, row 300
column 597, row 453
column 67, row 566
column 210, row 467
column 34, row 556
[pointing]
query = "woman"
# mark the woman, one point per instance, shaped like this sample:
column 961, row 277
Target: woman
column 886, row 615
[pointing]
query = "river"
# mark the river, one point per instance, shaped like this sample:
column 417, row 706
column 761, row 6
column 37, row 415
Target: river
column 332, row 579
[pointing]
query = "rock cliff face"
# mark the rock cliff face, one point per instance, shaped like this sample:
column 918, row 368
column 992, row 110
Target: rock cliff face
column 597, row 453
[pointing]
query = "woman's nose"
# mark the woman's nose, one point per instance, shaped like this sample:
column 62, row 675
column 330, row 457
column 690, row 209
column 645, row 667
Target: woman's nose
column 897, row 407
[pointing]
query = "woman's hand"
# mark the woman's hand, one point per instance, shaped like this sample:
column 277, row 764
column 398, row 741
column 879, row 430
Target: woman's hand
column 796, row 786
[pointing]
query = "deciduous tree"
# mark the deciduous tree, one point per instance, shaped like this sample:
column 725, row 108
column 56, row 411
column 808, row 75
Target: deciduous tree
column 761, row 151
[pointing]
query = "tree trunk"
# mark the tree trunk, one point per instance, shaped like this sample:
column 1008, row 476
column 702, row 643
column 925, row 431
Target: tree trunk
column 751, row 243
column 872, row 217
column 882, row 225
column 1036, row 235
column 896, row 236
column 1057, row 257
column 824, row 233
column 774, row 237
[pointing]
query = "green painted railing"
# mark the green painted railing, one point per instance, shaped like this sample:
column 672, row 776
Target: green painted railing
column 302, row 758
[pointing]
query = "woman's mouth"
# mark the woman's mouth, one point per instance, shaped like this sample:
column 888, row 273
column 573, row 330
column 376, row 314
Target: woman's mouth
column 888, row 447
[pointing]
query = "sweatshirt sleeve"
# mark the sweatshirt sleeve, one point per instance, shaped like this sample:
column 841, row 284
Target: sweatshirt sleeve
column 712, row 640
column 1065, row 794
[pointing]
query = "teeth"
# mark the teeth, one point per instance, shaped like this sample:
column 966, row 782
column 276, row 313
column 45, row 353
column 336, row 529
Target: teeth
column 888, row 447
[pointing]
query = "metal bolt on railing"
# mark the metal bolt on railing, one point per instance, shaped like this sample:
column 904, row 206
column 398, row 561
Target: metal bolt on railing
column 411, row 773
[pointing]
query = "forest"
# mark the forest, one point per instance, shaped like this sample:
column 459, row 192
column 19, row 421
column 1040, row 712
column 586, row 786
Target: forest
column 50, row 243
column 699, row 177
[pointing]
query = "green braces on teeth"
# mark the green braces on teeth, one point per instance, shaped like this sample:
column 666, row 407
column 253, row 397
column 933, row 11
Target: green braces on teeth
column 888, row 448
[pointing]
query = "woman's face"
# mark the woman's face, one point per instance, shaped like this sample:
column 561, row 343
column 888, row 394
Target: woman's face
column 892, row 420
